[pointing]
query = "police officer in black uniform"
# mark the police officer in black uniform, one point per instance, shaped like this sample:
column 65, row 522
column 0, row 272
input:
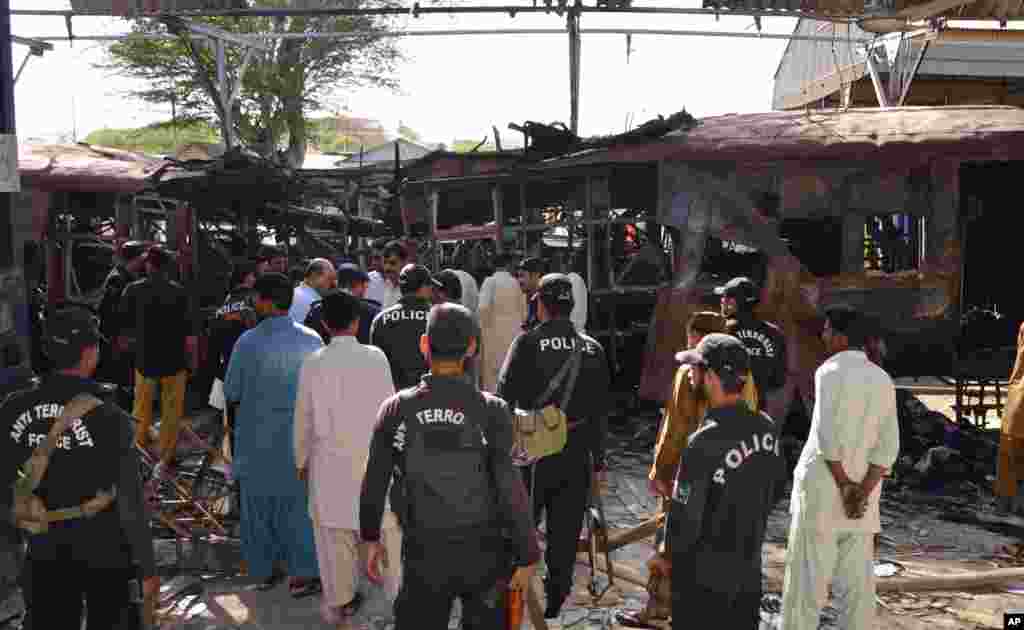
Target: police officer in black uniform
column 103, row 559
column 722, row 496
column 561, row 482
column 449, row 444
column 397, row 329
column 115, row 364
column 354, row 281
column 764, row 340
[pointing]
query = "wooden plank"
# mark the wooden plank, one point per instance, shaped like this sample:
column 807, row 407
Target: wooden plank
column 931, row 9
column 620, row 537
column 823, row 87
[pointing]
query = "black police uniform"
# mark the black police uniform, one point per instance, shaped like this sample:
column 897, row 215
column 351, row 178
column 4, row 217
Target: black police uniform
column 397, row 331
column 157, row 308
column 368, row 311
column 767, row 347
column 237, row 315
column 471, row 563
column 114, row 367
column 99, row 558
column 720, row 503
column 561, row 482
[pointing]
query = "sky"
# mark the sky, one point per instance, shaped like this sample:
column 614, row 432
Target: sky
column 452, row 87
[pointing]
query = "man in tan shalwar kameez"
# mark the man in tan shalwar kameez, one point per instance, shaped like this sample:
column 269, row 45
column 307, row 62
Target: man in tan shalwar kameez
column 1010, row 470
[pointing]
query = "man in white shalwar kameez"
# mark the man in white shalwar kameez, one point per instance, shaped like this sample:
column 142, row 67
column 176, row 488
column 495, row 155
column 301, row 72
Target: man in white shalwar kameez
column 502, row 312
column 580, row 302
column 853, row 443
column 341, row 388
column 470, row 291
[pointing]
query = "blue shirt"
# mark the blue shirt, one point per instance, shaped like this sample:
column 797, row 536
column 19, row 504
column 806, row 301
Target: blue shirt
column 263, row 376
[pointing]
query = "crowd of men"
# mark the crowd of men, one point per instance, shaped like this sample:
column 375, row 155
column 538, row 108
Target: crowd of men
column 371, row 421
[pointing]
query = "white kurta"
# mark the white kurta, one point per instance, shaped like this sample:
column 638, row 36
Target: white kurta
column 341, row 388
column 470, row 292
column 380, row 289
column 502, row 312
column 580, row 300
column 855, row 423
column 302, row 300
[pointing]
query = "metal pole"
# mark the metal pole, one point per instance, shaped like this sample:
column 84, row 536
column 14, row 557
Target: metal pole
column 487, row 32
column 7, row 128
column 573, row 26
column 417, row 11
column 913, row 73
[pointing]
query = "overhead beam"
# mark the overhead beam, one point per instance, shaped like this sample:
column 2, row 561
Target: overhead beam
column 33, row 43
column 416, row 10
column 220, row 34
column 487, row 32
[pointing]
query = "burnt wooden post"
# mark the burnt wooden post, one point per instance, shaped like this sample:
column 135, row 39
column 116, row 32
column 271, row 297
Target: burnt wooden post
column 497, row 201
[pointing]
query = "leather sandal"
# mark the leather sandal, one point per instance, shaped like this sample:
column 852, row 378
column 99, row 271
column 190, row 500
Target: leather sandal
column 306, row 588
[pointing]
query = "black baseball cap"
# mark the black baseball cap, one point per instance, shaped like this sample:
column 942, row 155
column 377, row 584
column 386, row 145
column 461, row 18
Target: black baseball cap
column 414, row 277
column 724, row 354
column 533, row 265
column 452, row 284
column 450, row 327
column 743, row 289
column 557, row 288
column 349, row 273
column 71, row 330
column 133, row 249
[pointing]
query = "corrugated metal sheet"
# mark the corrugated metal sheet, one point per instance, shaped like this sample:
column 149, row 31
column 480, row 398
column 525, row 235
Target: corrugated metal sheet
column 994, row 131
column 806, row 62
column 84, row 168
column 979, row 10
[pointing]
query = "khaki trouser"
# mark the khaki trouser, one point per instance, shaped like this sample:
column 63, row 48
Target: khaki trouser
column 1010, row 466
column 172, row 408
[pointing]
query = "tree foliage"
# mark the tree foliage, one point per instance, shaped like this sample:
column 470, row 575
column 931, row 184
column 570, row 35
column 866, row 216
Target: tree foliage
column 465, row 146
column 160, row 139
column 280, row 88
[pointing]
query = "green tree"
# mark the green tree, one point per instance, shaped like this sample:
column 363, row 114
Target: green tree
column 279, row 88
column 465, row 146
column 158, row 139
column 409, row 134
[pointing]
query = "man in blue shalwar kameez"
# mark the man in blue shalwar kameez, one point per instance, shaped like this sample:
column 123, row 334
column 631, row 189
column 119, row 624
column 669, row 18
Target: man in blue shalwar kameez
column 262, row 378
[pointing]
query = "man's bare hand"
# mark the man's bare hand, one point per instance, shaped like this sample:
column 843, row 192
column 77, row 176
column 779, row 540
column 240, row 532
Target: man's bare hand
column 855, row 501
column 376, row 558
column 521, row 578
column 302, row 474
column 659, row 487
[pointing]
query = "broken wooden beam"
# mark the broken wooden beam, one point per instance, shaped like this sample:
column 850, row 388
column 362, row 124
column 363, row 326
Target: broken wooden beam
column 621, row 537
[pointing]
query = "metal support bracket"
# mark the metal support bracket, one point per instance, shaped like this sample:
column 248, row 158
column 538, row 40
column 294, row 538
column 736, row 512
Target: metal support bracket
column 36, row 48
column 913, row 72
column 876, row 80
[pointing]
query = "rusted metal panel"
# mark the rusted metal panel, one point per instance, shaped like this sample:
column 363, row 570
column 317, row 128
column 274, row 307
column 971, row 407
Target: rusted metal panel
column 84, row 169
column 918, row 309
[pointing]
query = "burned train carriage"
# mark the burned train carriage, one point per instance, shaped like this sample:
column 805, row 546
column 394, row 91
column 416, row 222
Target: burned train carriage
column 896, row 211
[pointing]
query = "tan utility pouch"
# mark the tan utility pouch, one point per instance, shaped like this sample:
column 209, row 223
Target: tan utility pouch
column 544, row 430
column 30, row 513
